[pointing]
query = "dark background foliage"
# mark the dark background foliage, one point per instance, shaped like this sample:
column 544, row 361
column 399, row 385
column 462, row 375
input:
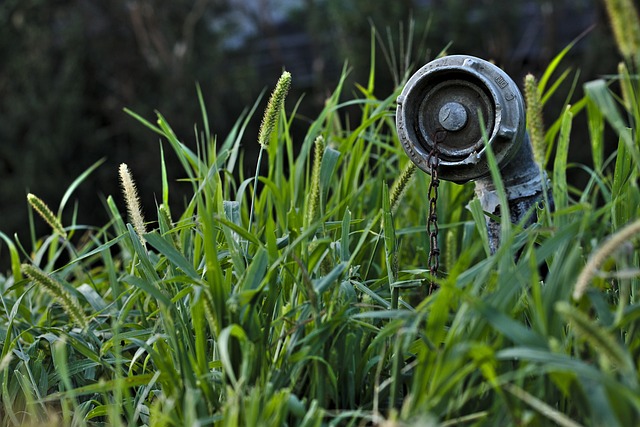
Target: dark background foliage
column 69, row 67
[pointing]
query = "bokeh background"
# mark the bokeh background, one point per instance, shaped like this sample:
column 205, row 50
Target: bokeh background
column 69, row 67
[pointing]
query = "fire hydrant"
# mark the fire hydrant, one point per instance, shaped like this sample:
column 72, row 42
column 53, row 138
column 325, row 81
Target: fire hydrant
column 462, row 104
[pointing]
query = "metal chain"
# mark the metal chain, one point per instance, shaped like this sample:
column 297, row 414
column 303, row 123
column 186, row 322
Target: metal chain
column 432, row 221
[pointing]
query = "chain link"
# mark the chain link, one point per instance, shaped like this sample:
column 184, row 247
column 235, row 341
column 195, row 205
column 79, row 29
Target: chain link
column 432, row 220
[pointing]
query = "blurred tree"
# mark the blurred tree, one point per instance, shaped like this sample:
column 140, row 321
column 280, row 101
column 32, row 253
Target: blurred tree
column 69, row 67
column 43, row 108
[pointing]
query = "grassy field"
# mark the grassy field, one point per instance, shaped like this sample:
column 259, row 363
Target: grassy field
column 298, row 296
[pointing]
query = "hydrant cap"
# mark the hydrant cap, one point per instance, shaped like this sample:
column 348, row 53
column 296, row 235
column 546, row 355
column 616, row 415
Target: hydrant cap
column 471, row 101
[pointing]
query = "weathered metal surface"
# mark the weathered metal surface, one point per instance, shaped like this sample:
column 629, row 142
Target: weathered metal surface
column 468, row 97
column 472, row 101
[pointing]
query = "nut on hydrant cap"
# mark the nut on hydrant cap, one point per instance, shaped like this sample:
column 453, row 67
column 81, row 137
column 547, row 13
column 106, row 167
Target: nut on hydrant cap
column 453, row 116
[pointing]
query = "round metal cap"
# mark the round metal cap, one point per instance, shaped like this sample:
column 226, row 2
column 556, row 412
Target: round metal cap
column 469, row 100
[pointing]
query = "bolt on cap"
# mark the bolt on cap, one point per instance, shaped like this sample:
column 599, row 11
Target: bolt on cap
column 453, row 116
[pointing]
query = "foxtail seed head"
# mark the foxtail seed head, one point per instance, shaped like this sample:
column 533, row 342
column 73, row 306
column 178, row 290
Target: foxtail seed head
column 314, row 202
column 132, row 200
column 400, row 185
column 598, row 257
column 628, row 95
column 43, row 210
column 626, row 27
column 535, row 123
column 272, row 111
column 57, row 292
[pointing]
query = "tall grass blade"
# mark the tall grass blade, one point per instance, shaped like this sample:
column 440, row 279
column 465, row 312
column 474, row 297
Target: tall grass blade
column 603, row 343
column 560, row 186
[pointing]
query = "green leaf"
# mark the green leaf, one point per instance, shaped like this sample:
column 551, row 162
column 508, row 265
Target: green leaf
column 149, row 288
column 553, row 65
column 166, row 248
column 103, row 386
column 598, row 91
column 542, row 407
column 15, row 257
column 600, row 339
column 93, row 298
column 232, row 213
column 560, row 187
column 99, row 249
column 322, row 284
column 224, row 346
column 256, row 271
column 327, row 170
column 76, row 182
column 385, row 314
column 514, row 330
column 345, row 254
column 242, row 232
column 481, row 223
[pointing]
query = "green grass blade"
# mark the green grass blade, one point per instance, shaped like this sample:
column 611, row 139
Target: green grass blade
column 598, row 91
column 322, row 285
column 166, row 248
column 14, row 256
column 560, row 186
column 76, row 183
column 602, row 341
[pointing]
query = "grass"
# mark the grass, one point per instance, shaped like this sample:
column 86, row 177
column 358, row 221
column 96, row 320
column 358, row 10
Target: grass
column 297, row 296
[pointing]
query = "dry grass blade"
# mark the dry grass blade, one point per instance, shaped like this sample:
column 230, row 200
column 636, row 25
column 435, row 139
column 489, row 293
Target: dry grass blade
column 601, row 255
